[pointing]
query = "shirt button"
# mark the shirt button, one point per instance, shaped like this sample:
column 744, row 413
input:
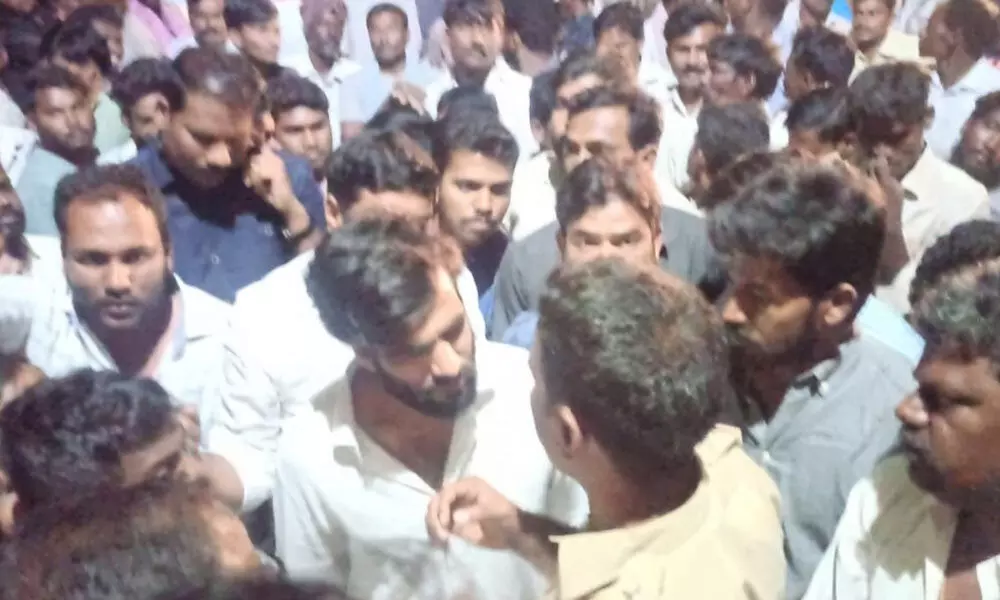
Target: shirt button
column 215, row 259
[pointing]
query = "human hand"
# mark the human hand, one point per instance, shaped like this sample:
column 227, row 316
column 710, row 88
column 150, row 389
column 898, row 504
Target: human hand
column 472, row 510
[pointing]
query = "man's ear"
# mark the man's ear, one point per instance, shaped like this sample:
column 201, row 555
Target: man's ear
column 365, row 357
column 747, row 84
column 331, row 208
column 929, row 117
column 648, row 154
column 838, row 306
column 561, row 243
column 571, row 438
column 9, row 509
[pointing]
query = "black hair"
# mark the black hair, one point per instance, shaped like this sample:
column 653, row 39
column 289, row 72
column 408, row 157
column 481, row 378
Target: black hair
column 645, row 126
column 387, row 7
column 748, row 55
column 542, row 98
column 372, row 281
column 728, row 183
column 468, row 98
column 985, row 105
column 812, row 219
column 259, row 588
column 976, row 20
column 726, row 132
column 958, row 315
column 231, row 78
column 110, row 182
column 967, row 245
column 290, row 91
column 49, row 77
column 65, row 437
column 23, row 43
column 825, row 55
column 147, row 76
column 624, row 16
column 691, row 15
column 536, row 24
column 639, row 357
column 472, row 12
column 598, row 181
column 241, row 13
column 381, row 161
column 883, row 95
column 470, row 131
column 824, row 111
column 392, row 111
column 79, row 43
column 581, row 63
column 88, row 13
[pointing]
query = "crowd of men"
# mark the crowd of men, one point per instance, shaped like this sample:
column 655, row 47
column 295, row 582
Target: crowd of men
column 499, row 299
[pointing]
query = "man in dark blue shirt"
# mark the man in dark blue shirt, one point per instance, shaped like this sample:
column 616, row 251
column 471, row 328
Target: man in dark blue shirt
column 236, row 210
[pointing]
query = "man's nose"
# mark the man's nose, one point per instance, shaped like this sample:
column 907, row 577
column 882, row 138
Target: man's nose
column 912, row 412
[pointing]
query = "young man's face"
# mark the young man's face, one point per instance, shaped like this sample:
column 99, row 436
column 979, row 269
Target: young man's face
column 474, row 196
column 208, row 141
column 564, row 95
column 871, row 22
column 901, row 145
column 306, row 132
column 63, row 119
column 978, row 152
column 622, row 48
column 935, row 39
column 113, row 35
column 324, row 29
column 389, row 37
column 688, row 56
column 601, row 131
column 726, row 86
column 475, row 47
column 208, row 23
column 259, row 42
column 148, row 117
column 614, row 230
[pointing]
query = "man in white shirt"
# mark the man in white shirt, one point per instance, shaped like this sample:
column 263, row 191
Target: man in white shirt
column 475, row 34
column 422, row 404
column 358, row 42
column 10, row 113
column 958, row 37
column 618, row 34
column 119, row 306
column 978, row 152
column 924, row 524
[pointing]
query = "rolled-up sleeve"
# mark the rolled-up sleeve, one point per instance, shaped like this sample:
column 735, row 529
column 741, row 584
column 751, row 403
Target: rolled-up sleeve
column 19, row 298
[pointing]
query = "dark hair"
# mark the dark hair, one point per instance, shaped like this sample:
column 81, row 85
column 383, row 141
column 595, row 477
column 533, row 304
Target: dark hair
column 967, row 245
column 731, row 180
column 393, row 111
column 230, row 78
column 886, row 94
column 542, row 98
column 102, row 183
column 726, row 132
column 644, row 127
column 985, row 105
column 372, row 281
column 536, row 24
column 748, row 55
column 47, row 77
column 472, row 12
column 959, row 314
column 581, row 63
column 639, row 357
column 386, row 7
column 468, row 98
column 79, row 43
column 976, row 21
column 290, row 91
column 139, row 542
column 825, row 55
column 147, row 76
column 240, row 13
column 623, row 16
column 470, row 131
column 824, row 111
column 811, row 218
column 380, row 161
column 88, row 13
column 597, row 182
column 65, row 437
column 691, row 15
column 260, row 588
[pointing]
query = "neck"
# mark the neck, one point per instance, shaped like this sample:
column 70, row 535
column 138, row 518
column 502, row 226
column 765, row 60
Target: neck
column 767, row 384
column 532, row 63
column 623, row 501
column 465, row 76
column 870, row 49
column 81, row 157
column 759, row 24
column 320, row 64
column 132, row 350
column 954, row 68
column 692, row 98
column 394, row 68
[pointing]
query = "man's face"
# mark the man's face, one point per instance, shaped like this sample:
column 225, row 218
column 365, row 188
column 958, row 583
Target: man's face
column 978, row 153
column 389, row 37
column 63, row 120
column 149, row 117
column 12, row 221
column 305, row 132
column 208, row 141
column 900, row 145
column 726, row 86
column 615, row 230
column 475, row 47
column 813, row 13
column 208, row 23
column 699, row 179
column 809, row 141
column 434, row 371
column 259, row 42
column 324, row 29
column 951, row 427
column 164, row 459
column 871, row 22
column 116, row 263
column 769, row 316
column 601, row 131
column 87, row 73
column 689, row 59
column 622, row 48
column 935, row 40
column 564, row 95
column 114, row 37
column 474, row 196
column 738, row 10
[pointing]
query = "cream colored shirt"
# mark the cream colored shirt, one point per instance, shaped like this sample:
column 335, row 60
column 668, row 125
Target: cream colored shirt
column 937, row 197
column 724, row 543
column 893, row 543
column 896, row 47
column 330, row 82
column 680, row 126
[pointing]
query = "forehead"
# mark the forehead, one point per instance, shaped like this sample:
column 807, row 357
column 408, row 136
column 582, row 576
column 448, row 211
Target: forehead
column 946, row 369
column 149, row 102
column 405, row 204
column 871, row 5
column 212, row 114
column 207, row 6
column 615, row 217
column 300, row 116
column 57, row 96
column 386, row 18
column 93, row 221
column 466, row 164
column 446, row 309
column 700, row 34
column 597, row 122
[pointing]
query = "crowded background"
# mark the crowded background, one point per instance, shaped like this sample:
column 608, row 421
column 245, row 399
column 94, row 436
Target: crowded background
column 499, row 299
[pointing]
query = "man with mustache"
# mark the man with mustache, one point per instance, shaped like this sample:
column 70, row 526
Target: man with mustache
column 237, row 209
column 978, row 152
column 803, row 243
column 424, row 403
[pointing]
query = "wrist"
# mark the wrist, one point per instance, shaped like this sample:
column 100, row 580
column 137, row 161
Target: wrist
column 296, row 218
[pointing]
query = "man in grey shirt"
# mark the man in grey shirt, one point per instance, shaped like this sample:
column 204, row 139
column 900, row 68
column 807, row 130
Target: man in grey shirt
column 803, row 243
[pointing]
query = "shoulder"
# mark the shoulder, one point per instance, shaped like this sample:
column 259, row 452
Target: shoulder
column 959, row 185
column 204, row 311
column 901, row 46
column 278, row 283
column 879, row 503
column 885, row 368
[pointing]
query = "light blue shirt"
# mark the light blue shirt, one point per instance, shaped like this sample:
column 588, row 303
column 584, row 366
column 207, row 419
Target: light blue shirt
column 37, row 189
column 363, row 93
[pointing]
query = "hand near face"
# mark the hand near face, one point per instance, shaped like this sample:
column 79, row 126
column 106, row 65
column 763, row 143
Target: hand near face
column 265, row 174
column 410, row 95
column 473, row 511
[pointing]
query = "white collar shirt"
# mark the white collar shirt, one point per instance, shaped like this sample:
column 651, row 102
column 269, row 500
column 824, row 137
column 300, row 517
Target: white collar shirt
column 275, row 362
column 656, row 80
column 349, row 513
column 37, row 317
column 680, row 126
column 952, row 106
column 893, row 543
column 16, row 146
column 511, row 90
column 10, row 113
column 330, row 82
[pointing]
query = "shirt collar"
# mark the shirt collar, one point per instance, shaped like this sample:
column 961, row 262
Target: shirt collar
column 981, row 79
column 156, row 166
column 921, row 178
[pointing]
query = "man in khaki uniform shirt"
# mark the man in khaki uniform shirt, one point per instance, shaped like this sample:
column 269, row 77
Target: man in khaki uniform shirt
column 631, row 379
